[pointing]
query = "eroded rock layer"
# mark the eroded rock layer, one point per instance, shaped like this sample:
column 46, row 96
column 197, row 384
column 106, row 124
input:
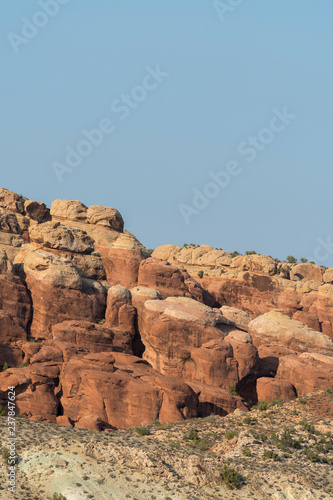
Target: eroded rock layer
column 96, row 333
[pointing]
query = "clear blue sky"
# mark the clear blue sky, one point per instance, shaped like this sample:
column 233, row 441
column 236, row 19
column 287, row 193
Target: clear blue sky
column 225, row 79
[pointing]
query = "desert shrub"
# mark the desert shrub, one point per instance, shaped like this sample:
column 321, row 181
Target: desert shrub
column 271, row 455
column 230, row 434
column 58, row 496
column 203, row 444
column 23, row 365
column 247, row 421
column 5, row 366
column 308, row 427
column 304, row 261
column 246, row 452
column 200, row 443
column 250, row 252
column 193, row 435
column 320, row 448
column 263, row 437
column 5, row 454
column 200, row 274
column 2, row 412
column 143, row 431
column 261, row 405
column 291, row 259
column 310, row 455
column 287, row 440
column 101, row 321
column 232, row 390
column 234, row 254
column 150, row 250
column 276, row 402
column 231, row 478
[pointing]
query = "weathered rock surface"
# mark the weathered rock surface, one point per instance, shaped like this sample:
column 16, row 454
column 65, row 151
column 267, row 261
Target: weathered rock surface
column 171, row 281
column 37, row 211
column 89, row 336
column 34, row 387
column 307, row 372
column 15, row 308
column 11, row 201
column 68, row 209
column 214, row 400
column 133, row 338
column 61, row 237
column 274, row 388
column 240, row 318
column 59, row 293
column 105, row 216
column 257, row 284
column 277, row 328
column 171, row 327
column 121, row 391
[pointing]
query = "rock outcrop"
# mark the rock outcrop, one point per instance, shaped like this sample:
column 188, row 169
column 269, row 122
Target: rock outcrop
column 257, row 284
column 277, row 328
column 96, row 333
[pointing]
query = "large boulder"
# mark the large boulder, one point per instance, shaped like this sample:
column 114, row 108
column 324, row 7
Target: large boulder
column 307, row 372
column 277, row 328
column 308, row 272
column 11, row 201
column 173, row 328
column 60, row 237
column 239, row 317
column 9, row 223
column 217, row 401
column 122, row 391
column 35, row 387
column 59, row 293
column 254, row 263
column 68, row 209
column 245, row 353
column 171, row 281
column 328, row 276
column 120, row 251
column 89, row 336
column 37, row 211
column 274, row 388
column 105, row 216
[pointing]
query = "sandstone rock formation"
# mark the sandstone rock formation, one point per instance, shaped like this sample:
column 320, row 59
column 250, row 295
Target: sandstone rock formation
column 97, row 333
column 171, row 281
column 269, row 389
column 257, row 284
column 277, row 328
